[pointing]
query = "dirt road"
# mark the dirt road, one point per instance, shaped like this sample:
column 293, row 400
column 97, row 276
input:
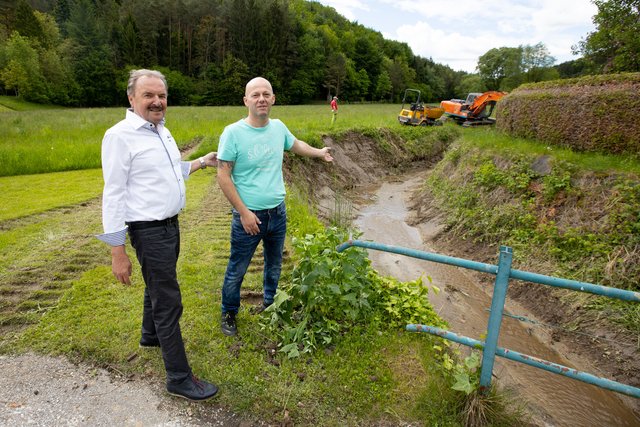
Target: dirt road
column 50, row 391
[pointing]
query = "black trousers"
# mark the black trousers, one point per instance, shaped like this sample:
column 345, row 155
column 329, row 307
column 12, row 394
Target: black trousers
column 157, row 245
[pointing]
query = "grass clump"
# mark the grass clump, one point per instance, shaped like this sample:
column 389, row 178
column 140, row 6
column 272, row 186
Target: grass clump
column 497, row 409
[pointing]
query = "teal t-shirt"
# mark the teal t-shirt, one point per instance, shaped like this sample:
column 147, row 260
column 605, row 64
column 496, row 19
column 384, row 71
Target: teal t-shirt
column 257, row 154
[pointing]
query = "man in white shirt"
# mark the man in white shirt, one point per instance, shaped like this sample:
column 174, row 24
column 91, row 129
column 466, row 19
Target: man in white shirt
column 144, row 191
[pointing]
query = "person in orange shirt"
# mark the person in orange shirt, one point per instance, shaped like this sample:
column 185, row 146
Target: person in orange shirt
column 334, row 109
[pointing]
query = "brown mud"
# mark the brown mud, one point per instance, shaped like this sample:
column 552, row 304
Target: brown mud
column 464, row 301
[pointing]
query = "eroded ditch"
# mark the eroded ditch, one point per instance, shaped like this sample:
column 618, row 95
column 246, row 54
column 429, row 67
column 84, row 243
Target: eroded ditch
column 552, row 400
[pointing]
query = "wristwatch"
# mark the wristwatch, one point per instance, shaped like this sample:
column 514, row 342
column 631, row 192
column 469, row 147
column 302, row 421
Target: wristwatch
column 203, row 165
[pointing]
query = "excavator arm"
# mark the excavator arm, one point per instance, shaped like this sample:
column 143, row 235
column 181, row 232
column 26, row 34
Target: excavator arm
column 475, row 110
column 481, row 101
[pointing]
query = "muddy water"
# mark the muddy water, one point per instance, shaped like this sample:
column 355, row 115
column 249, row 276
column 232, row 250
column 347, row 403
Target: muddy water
column 552, row 400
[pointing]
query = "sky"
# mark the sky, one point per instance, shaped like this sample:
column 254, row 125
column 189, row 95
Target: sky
column 457, row 32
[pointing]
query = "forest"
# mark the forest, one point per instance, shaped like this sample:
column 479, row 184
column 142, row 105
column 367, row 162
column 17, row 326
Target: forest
column 78, row 52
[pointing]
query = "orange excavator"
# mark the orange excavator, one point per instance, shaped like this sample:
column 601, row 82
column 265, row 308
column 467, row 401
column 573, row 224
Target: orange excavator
column 475, row 110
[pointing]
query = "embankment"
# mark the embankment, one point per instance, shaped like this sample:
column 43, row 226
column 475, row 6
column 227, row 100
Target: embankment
column 561, row 219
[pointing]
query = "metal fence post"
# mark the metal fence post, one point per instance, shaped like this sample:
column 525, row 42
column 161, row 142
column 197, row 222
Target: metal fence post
column 495, row 317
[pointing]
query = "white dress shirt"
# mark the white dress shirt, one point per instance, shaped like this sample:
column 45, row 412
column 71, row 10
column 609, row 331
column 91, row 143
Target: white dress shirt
column 144, row 177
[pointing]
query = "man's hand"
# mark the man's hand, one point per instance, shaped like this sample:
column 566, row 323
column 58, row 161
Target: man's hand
column 326, row 154
column 211, row 159
column 120, row 265
column 250, row 223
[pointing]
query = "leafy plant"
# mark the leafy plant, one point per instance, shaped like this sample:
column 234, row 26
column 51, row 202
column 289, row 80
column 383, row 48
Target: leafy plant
column 331, row 291
column 466, row 374
column 557, row 181
column 405, row 302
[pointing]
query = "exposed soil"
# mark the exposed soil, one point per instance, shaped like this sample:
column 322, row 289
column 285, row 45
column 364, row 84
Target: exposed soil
column 607, row 350
column 464, row 301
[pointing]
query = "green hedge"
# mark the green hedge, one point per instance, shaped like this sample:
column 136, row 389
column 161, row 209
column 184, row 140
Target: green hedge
column 592, row 113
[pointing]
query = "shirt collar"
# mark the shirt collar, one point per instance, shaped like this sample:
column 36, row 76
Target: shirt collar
column 138, row 122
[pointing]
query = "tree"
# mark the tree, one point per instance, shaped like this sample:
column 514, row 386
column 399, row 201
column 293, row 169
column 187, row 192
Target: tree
column 62, row 12
column 92, row 66
column 401, row 76
column 305, row 49
column 576, row 68
column 308, row 65
column 22, row 73
column 469, row 84
column 180, row 86
column 536, row 62
column 384, row 87
column 367, row 57
column 128, row 42
column 336, row 72
column 505, row 68
column 498, row 64
column 26, row 22
column 615, row 45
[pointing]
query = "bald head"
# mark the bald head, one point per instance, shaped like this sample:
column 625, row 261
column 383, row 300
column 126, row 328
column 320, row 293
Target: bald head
column 257, row 82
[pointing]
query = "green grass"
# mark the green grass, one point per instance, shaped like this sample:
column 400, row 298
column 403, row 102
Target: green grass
column 578, row 218
column 32, row 194
column 488, row 139
column 48, row 253
column 370, row 376
column 60, row 140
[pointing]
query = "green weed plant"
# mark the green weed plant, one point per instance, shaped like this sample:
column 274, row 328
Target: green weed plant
column 331, row 292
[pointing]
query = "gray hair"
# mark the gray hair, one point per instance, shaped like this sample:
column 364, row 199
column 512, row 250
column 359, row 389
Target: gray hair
column 134, row 75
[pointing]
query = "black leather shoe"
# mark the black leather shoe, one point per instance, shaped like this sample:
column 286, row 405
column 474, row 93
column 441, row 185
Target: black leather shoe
column 228, row 324
column 193, row 389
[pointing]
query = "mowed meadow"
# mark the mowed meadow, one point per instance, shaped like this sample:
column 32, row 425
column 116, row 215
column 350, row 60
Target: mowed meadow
column 42, row 141
column 58, row 295
column 55, row 140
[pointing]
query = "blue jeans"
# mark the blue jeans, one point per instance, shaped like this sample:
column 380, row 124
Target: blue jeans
column 272, row 234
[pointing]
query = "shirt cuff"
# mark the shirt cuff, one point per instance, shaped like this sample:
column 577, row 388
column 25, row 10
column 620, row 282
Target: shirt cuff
column 186, row 169
column 117, row 238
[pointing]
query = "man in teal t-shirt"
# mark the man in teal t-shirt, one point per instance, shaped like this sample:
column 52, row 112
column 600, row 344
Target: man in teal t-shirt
column 250, row 157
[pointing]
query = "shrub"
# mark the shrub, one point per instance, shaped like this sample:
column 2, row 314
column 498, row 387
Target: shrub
column 593, row 113
column 331, row 291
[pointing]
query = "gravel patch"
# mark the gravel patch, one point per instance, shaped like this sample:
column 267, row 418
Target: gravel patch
column 50, row 391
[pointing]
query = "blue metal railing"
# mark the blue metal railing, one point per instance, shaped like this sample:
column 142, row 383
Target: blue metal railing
column 503, row 272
